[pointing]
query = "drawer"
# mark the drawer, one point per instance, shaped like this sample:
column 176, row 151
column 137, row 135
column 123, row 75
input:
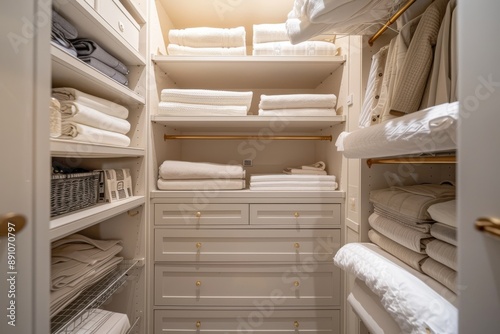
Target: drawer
column 246, row 284
column 295, row 214
column 113, row 12
column 263, row 319
column 246, row 245
column 209, row 214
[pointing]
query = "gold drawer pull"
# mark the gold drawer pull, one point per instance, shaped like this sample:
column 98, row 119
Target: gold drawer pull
column 11, row 223
column 198, row 324
column 296, row 245
column 296, row 283
column 198, row 245
column 296, row 215
column 296, row 324
column 489, row 225
column 198, row 214
column 198, row 283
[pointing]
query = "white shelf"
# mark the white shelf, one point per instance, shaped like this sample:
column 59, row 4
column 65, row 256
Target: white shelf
column 69, row 71
column 67, row 224
column 91, row 25
column 249, row 123
column 245, row 195
column 70, row 148
column 249, row 72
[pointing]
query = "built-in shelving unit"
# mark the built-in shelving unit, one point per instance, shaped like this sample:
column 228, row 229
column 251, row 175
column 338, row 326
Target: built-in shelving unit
column 70, row 148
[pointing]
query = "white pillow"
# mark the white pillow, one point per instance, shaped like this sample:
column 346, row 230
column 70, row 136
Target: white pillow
column 444, row 212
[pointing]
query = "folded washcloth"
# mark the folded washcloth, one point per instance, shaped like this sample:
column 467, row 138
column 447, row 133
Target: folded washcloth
column 296, row 101
column 320, row 165
column 185, row 109
column 285, row 48
column 207, row 96
column 316, row 112
column 89, row 48
column 184, row 170
column 75, row 112
column 105, row 69
column 202, row 184
column 94, row 102
column 60, row 24
column 203, row 37
column 88, row 134
column 179, row 50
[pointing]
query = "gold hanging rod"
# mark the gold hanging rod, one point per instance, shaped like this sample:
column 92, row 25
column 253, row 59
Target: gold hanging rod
column 232, row 137
column 413, row 160
column 391, row 21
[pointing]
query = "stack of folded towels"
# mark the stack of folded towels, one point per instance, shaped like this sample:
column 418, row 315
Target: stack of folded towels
column 204, row 102
column 183, row 175
column 402, row 226
column 272, row 40
column 207, row 41
column 298, row 105
column 91, row 119
column 64, row 36
column 76, row 263
column 287, row 182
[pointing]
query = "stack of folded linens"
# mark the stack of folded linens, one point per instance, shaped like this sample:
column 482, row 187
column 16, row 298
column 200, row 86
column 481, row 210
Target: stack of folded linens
column 298, row 105
column 286, row 182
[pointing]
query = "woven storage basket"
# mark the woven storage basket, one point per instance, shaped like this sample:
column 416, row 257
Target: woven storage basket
column 70, row 192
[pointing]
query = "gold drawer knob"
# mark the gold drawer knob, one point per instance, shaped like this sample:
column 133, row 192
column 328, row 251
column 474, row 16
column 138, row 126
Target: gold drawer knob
column 198, row 245
column 490, row 225
column 296, row 215
column 296, row 245
column 198, row 214
column 198, row 324
column 296, row 324
column 198, row 283
column 296, row 283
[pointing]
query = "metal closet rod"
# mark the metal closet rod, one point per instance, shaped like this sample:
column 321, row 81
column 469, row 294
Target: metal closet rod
column 413, row 160
column 393, row 19
column 236, row 137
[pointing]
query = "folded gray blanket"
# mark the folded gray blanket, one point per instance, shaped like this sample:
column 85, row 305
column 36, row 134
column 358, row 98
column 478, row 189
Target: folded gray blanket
column 88, row 48
column 110, row 72
column 60, row 24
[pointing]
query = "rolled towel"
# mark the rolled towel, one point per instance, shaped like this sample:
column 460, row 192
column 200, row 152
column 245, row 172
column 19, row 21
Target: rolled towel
column 94, row 102
column 185, row 109
column 202, row 184
column 87, row 47
column 207, row 96
column 184, row 170
column 75, row 112
column 203, row 37
column 88, row 134
column 179, row 50
column 296, row 101
column 285, row 48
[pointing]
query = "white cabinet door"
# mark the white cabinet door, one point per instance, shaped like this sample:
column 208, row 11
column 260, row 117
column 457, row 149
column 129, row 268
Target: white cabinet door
column 24, row 165
column 479, row 161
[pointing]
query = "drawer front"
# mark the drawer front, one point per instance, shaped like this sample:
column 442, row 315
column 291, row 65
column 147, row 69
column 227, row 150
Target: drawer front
column 295, row 214
column 244, row 285
column 263, row 319
column 113, row 12
column 210, row 214
column 239, row 245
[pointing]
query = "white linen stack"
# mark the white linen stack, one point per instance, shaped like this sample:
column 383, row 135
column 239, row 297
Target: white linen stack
column 184, row 175
column 207, row 41
column 204, row 102
column 285, row 182
column 298, row 105
column 76, row 263
column 91, row 119
column 272, row 40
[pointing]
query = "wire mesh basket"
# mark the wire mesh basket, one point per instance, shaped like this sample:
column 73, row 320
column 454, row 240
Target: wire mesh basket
column 71, row 192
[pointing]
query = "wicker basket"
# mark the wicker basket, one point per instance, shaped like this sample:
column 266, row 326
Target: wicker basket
column 70, row 192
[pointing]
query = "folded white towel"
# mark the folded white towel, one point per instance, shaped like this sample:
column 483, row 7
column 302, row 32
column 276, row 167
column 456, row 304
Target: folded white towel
column 207, row 96
column 203, row 37
column 286, row 178
column 318, row 112
column 185, row 109
column 75, row 112
column 295, row 184
column 202, row 184
column 179, row 50
column 286, row 48
column 276, row 32
column 88, row 134
column 184, row 170
column 94, row 102
column 281, row 188
column 296, row 101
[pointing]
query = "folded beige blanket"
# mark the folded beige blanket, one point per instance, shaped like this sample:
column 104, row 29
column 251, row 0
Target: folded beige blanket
column 441, row 273
column 411, row 258
column 423, row 227
column 443, row 252
column 444, row 233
